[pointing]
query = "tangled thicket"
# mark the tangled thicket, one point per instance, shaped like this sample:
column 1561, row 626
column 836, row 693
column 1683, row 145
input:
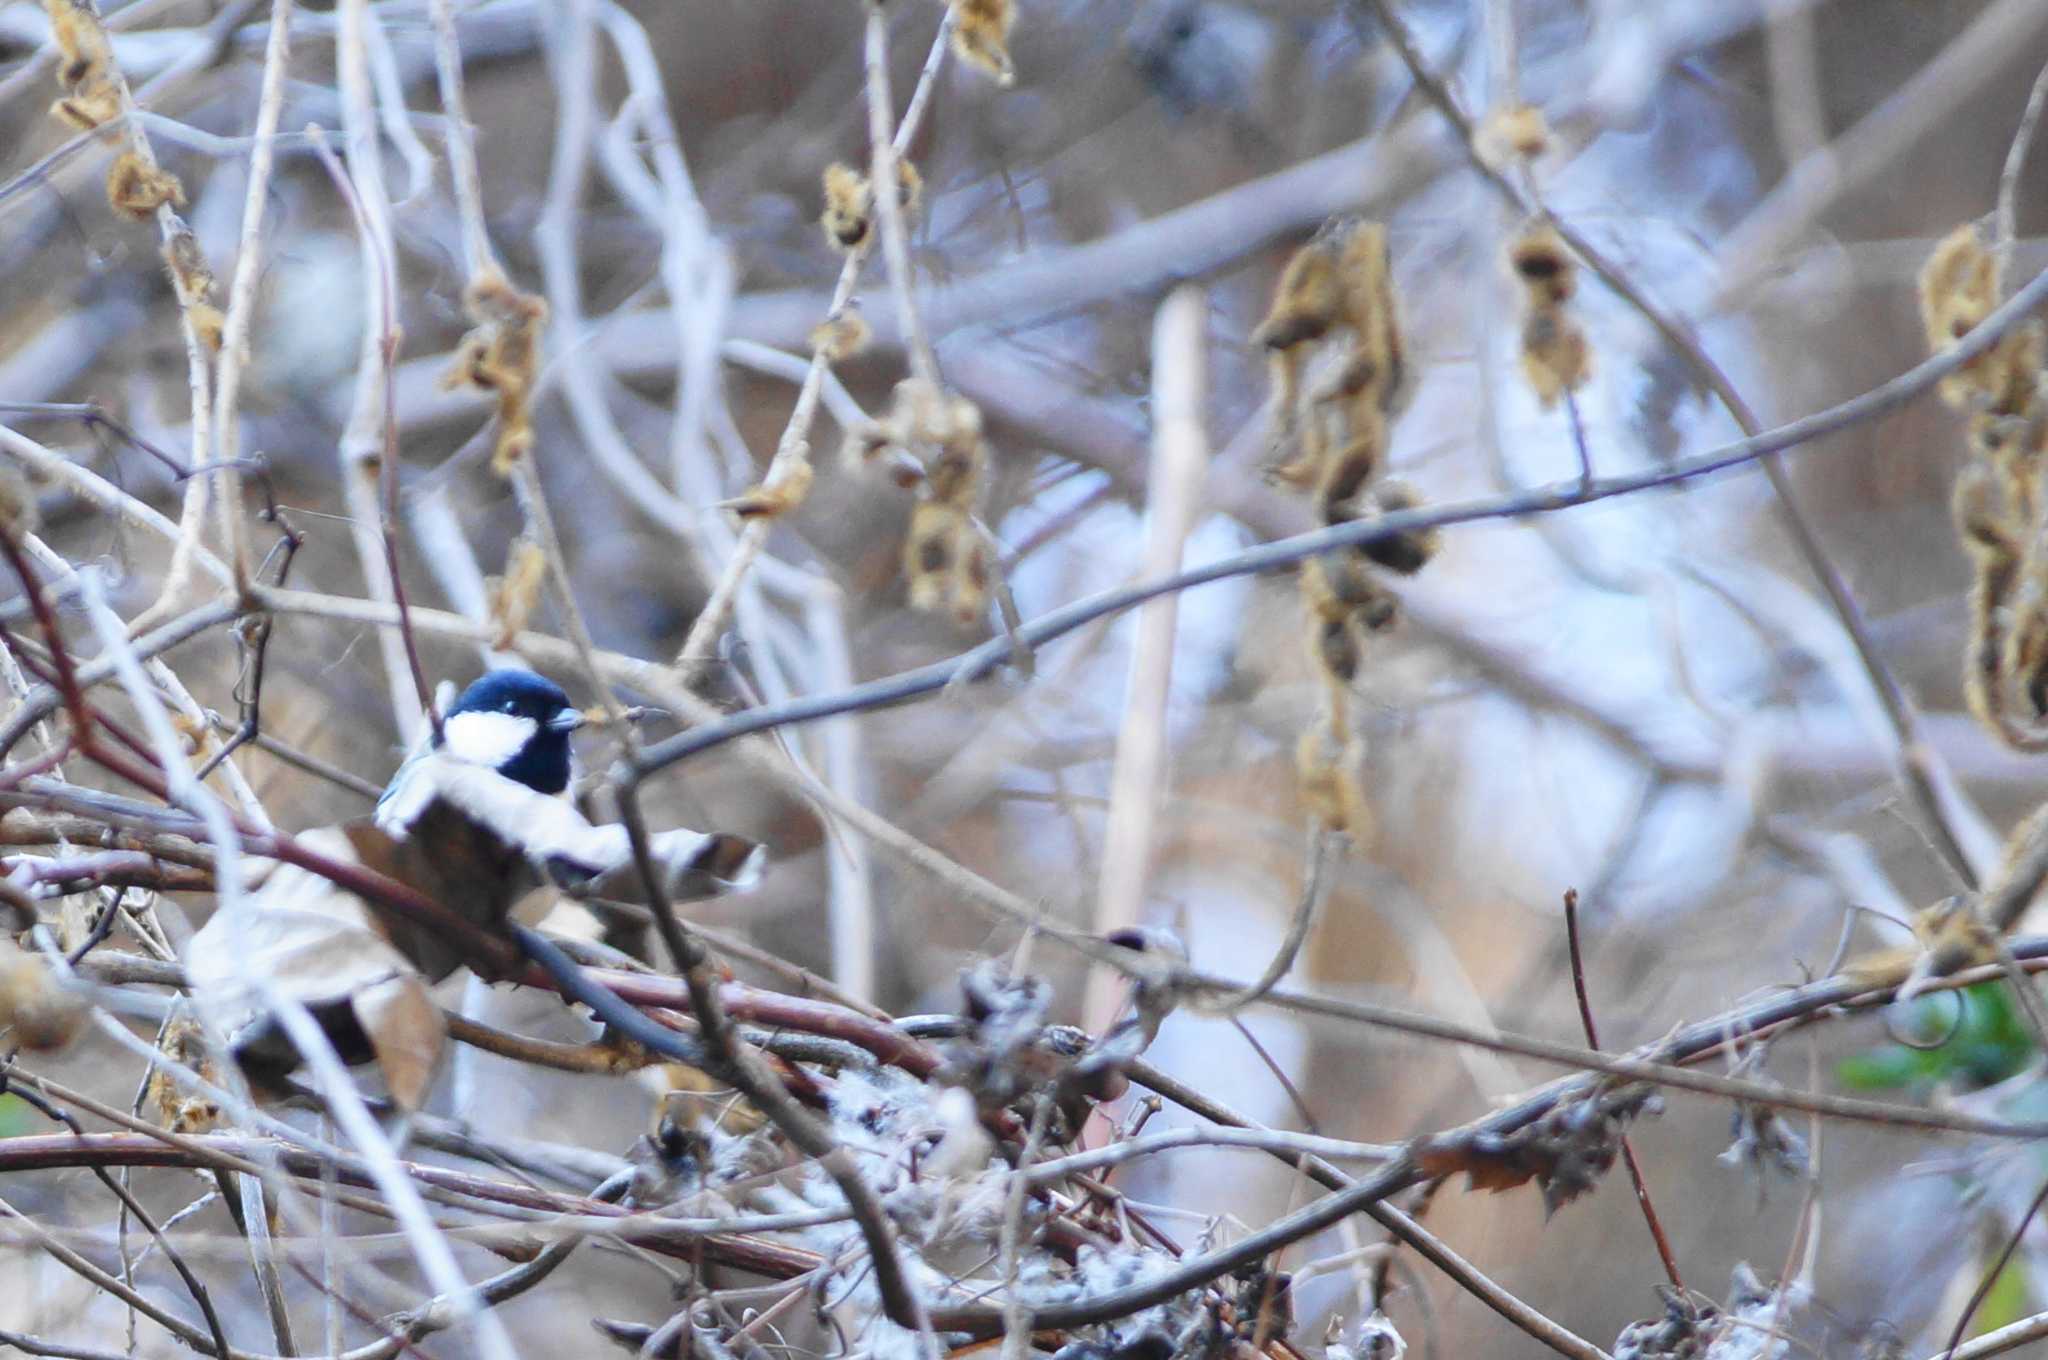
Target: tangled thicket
column 1194, row 990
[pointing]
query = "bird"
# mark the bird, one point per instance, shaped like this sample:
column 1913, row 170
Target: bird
column 512, row 721
column 475, row 821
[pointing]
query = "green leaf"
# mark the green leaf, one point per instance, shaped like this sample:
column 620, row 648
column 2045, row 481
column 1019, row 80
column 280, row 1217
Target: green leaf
column 1989, row 1043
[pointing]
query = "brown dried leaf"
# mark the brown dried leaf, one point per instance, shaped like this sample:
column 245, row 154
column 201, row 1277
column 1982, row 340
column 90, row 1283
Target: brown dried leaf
column 1565, row 1151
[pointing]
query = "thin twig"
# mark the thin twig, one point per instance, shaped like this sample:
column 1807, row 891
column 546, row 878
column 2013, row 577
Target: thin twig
column 1628, row 1153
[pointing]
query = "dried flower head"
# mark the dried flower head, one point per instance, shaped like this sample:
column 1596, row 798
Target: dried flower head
column 841, row 336
column 1543, row 266
column 849, row 207
column 981, row 36
column 1555, row 356
column 137, row 188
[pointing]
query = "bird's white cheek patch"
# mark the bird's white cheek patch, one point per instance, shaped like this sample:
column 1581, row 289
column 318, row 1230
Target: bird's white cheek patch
column 488, row 739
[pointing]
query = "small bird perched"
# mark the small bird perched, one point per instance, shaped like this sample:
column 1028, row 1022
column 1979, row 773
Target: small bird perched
column 515, row 722
column 475, row 821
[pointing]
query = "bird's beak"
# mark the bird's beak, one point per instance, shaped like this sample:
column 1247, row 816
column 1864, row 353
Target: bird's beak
column 568, row 720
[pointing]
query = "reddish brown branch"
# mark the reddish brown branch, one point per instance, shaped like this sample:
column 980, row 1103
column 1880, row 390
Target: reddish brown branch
column 1628, row 1152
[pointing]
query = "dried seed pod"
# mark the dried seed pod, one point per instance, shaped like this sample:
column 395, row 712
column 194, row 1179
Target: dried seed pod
column 841, row 336
column 1326, row 771
column 1992, row 539
column 909, row 186
column 1984, row 514
column 1376, row 368
column 1305, row 468
column 973, row 570
column 2024, row 660
column 1347, row 471
column 865, row 443
column 1544, row 267
column 36, row 1011
column 2009, row 375
column 1407, row 552
column 137, row 188
column 81, row 40
column 1958, row 286
column 469, row 363
column 189, row 271
column 93, row 106
column 981, row 36
column 516, row 594
column 955, row 475
column 514, row 444
column 177, row 1109
column 1315, row 774
column 773, row 499
column 1333, row 646
column 1518, row 131
column 849, row 206
column 1958, row 289
column 1308, row 300
column 928, row 553
column 1555, row 356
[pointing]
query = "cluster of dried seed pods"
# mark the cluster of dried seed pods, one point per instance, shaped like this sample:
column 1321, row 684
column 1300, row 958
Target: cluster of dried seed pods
column 1334, row 335
column 933, row 443
column 1998, row 498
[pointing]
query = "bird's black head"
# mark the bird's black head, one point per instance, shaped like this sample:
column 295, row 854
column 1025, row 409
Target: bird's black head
column 518, row 724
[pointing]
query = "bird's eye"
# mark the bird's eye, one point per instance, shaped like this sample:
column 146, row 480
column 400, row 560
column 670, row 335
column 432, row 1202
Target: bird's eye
column 510, row 705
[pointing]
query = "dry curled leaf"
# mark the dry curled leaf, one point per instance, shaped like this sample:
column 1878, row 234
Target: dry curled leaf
column 1565, row 1151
